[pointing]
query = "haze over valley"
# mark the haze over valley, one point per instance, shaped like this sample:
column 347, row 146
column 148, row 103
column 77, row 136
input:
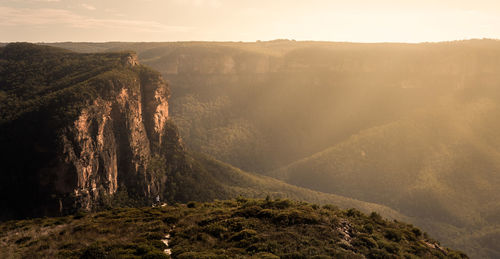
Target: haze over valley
column 234, row 129
column 408, row 126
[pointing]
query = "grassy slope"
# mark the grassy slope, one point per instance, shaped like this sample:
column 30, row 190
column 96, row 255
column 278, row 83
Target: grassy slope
column 224, row 229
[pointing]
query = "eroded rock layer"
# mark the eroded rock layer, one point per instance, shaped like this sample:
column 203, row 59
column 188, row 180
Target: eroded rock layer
column 73, row 141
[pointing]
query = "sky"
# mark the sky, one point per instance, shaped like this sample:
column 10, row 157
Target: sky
column 248, row 20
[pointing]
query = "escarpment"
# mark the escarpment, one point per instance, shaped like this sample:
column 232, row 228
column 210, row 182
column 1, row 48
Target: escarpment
column 111, row 143
column 73, row 141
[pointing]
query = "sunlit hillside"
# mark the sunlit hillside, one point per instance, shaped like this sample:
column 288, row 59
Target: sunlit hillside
column 263, row 105
column 410, row 126
column 151, row 129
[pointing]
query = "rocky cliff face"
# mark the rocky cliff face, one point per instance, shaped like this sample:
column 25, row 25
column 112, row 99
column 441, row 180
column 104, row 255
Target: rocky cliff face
column 117, row 137
column 111, row 142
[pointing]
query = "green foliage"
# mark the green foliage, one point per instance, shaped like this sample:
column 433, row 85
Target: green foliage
column 426, row 166
column 38, row 78
column 42, row 91
column 401, row 122
column 243, row 228
column 410, row 126
column 439, row 158
column 157, row 165
column 94, row 251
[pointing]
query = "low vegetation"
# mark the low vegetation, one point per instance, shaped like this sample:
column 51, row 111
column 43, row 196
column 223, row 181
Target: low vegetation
column 241, row 228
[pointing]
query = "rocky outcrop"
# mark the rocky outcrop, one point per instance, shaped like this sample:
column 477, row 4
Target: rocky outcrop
column 112, row 141
column 76, row 147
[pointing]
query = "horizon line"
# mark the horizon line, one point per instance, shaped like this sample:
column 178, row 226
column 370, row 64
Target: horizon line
column 256, row 41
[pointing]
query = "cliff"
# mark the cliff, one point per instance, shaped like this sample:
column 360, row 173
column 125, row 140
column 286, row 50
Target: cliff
column 116, row 134
column 72, row 141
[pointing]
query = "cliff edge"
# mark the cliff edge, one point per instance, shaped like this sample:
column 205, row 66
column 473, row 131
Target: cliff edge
column 75, row 128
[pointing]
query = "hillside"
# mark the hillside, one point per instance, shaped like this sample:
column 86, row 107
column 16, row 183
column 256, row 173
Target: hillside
column 209, row 179
column 241, row 228
column 410, row 126
column 262, row 105
column 440, row 168
column 91, row 131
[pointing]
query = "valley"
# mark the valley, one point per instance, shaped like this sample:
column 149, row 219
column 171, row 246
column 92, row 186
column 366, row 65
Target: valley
column 409, row 126
column 406, row 130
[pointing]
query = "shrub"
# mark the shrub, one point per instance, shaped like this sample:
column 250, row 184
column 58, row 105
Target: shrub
column 155, row 255
column 79, row 215
column 22, row 240
column 200, row 255
column 353, row 213
column 390, row 247
column 264, row 255
column 158, row 244
column 393, row 234
column 364, row 240
column 244, row 234
column 216, row 230
column 153, row 236
column 376, row 217
column 330, row 207
column 417, row 232
column 95, row 251
column 282, row 204
column 368, row 228
column 170, row 219
column 251, row 211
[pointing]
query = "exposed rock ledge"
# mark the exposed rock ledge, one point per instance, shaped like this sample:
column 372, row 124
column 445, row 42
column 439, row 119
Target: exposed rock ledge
column 79, row 149
column 113, row 140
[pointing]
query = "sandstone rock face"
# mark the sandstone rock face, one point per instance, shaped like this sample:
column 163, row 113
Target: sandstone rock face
column 78, row 145
column 110, row 143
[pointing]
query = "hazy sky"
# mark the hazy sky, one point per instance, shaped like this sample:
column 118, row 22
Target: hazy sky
column 248, row 20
